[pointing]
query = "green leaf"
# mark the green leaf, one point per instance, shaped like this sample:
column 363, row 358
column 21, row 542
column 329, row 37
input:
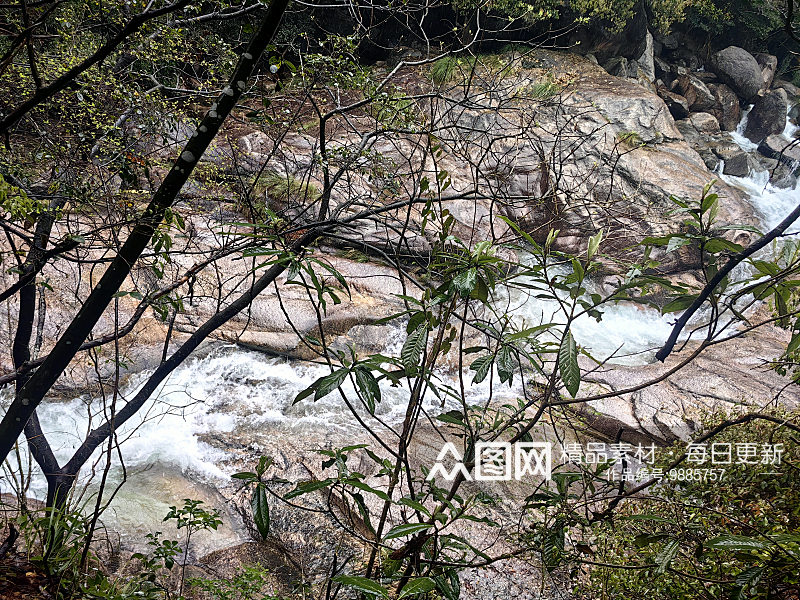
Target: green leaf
column 658, row 241
column 793, row 344
column 369, row 388
column 406, row 529
column 465, row 281
column 745, row 581
column 481, row 366
column 594, row 243
column 264, row 463
column 676, row 242
column 325, row 385
column 415, row 505
column 526, row 333
column 766, row 268
column 720, row 244
column 413, row 347
column 740, row 227
column 677, row 305
column 363, row 510
column 362, row 584
column 481, row 291
column 708, row 202
column 505, row 365
column 664, row 558
column 420, row 585
column 336, row 275
column 260, row 511
column 577, row 269
column 416, row 319
column 449, row 586
column 553, row 545
column 307, row 486
column 568, row 364
column 363, row 486
column 736, row 542
column 455, row 417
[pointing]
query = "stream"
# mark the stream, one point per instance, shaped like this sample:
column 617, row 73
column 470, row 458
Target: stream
column 227, row 390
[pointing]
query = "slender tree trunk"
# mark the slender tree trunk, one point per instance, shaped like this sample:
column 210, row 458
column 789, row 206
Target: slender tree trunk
column 21, row 352
column 30, row 394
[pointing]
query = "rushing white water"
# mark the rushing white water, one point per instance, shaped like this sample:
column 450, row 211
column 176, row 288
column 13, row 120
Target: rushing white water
column 227, row 390
column 738, row 135
column 772, row 203
column 627, row 334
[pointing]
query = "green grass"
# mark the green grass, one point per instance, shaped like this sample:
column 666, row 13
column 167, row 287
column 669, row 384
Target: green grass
column 444, row 69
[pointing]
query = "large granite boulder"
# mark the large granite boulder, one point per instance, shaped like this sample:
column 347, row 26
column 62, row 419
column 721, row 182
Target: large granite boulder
column 697, row 93
column 769, row 66
column 768, row 116
column 726, row 109
column 740, row 70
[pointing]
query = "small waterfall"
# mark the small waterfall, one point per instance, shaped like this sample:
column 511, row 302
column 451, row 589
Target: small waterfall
column 771, row 203
column 739, row 136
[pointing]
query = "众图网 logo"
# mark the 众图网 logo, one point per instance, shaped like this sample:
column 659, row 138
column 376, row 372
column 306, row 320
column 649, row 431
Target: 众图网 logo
column 497, row 461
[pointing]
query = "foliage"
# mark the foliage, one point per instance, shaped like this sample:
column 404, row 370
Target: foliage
column 247, row 583
column 55, row 539
column 412, row 525
column 736, row 537
column 614, row 13
column 748, row 23
column 258, row 502
column 444, row 69
column 192, row 517
column 16, row 205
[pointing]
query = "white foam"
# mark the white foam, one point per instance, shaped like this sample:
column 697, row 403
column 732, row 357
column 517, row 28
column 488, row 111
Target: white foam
column 738, row 135
column 773, row 204
column 627, row 334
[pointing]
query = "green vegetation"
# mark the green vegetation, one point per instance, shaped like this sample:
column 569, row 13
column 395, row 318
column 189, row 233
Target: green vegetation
column 733, row 532
column 444, row 70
